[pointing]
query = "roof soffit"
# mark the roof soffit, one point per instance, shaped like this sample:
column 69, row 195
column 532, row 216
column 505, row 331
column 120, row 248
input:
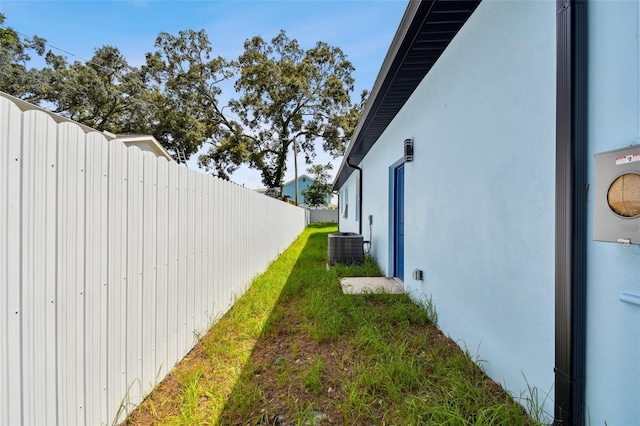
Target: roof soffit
column 425, row 31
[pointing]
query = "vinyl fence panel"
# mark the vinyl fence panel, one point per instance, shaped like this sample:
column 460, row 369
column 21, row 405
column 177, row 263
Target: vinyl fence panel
column 96, row 348
column 135, row 210
column 112, row 263
column 38, row 267
column 149, row 267
column 116, row 280
column 161, row 319
column 70, row 252
column 10, row 257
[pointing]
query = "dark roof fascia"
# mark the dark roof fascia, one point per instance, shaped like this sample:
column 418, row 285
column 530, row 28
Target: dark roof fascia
column 426, row 29
column 376, row 95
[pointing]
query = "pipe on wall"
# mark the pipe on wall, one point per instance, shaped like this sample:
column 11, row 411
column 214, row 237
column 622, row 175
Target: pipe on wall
column 571, row 215
column 359, row 192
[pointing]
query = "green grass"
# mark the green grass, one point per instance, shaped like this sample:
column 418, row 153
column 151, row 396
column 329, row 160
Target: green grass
column 295, row 349
column 312, row 377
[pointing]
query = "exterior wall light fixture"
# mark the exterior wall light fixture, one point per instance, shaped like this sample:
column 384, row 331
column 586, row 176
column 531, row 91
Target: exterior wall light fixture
column 408, row 150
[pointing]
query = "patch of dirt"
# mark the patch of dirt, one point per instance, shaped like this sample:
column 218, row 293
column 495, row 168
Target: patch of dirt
column 271, row 389
column 279, row 362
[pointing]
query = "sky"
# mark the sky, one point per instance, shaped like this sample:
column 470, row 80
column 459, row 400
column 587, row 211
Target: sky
column 363, row 29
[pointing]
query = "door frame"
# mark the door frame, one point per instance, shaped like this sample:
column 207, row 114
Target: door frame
column 392, row 217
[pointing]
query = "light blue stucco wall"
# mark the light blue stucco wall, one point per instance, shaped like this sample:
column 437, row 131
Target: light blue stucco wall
column 303, row 183
column 347, row 201
column 290, row 188
column 613, row 327
column 479, row 210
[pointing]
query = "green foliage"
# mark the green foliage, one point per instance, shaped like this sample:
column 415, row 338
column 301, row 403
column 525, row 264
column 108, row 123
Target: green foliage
column 105, row 93
column 316, row 194
column 312, row 377
column 287, row 94
column 15, row 77
column 183, row 77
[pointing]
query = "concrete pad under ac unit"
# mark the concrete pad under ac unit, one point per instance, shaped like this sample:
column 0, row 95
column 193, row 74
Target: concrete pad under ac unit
column 371, row 285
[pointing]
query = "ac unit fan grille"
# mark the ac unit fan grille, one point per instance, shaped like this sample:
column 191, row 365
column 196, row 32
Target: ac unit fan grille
column 345, row 247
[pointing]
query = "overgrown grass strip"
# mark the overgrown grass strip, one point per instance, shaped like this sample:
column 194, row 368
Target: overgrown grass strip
column 295, row 350
column 197, row 389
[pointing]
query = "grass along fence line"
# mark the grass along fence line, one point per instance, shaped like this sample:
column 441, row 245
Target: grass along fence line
column 294, row 350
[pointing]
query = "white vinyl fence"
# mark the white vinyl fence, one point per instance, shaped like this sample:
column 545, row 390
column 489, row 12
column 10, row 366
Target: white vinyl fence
column 112, row 262
column 322, row 215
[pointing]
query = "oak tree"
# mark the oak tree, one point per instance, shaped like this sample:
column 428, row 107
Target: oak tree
column 184, row 77
column 105, row 93
column 287, row 95
column 15, row 54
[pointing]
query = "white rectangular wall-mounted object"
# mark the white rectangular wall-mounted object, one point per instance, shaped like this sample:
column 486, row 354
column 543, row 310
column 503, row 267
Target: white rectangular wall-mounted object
column 617, row 196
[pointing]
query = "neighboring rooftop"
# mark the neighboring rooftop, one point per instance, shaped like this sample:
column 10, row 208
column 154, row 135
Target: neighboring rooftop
column 143, row 142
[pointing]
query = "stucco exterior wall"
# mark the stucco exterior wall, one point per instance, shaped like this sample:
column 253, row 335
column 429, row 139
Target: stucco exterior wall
column 290, row 189
column 613, row 326
column 304, row 181
column 347, row 201
column 479, row 209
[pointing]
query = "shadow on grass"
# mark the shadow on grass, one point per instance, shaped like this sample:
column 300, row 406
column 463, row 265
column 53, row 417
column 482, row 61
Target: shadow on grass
column 296, row 368
column 247, row 402
column 198, row 388
column 295, row 350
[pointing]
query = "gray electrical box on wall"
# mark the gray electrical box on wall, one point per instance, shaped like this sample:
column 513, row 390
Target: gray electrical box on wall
column 617, row 196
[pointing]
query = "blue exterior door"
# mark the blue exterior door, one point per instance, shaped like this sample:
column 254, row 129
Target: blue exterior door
column 398, row 240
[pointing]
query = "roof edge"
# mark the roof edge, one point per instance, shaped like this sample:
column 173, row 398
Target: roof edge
column 146, row 138
column 425, row 31
column 398, row 38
